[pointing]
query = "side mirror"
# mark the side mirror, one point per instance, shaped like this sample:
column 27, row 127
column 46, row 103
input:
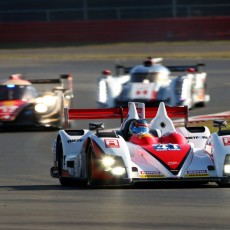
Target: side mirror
column 219, row 124
column 96, row 126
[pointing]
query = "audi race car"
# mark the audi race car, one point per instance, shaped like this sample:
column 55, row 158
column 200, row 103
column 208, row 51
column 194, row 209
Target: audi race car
column 139, row 152
column 35, row 103
column 152, row 83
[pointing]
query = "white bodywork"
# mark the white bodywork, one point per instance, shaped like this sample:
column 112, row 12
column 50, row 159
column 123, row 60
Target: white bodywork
column 200, row 157
column 189, row 88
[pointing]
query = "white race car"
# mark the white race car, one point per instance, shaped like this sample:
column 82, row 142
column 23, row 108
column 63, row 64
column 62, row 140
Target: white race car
column 140, row 152
column 152, row 83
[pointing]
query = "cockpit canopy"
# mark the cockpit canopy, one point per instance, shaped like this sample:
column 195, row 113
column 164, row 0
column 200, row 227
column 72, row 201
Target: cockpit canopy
column 145, row 77
column 17, row 92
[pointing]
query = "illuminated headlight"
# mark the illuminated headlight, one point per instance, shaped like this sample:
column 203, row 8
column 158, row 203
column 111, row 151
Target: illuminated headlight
column 50, row 100
column 68, row 97
column 102, row 92
column 108, row 161
column 39, row 100
column 114, row 165
column 227, row 169
column 47, row 100
column 41, row 108
column 118, row 171
column 227, row 164
column 184, row 89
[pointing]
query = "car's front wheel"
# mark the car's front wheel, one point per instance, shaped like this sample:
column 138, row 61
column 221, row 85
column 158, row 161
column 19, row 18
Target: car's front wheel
column 90, row 162
column 64, row 181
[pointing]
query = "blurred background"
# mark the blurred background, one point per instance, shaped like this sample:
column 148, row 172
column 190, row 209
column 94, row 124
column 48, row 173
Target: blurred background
column 113, row 20
column 63, row 10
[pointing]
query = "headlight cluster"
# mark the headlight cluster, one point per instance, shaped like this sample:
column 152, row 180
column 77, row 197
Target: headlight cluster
column 102, row 92
column 113, row 164
column 44, row 103
column 227, row 165
column 181, row 88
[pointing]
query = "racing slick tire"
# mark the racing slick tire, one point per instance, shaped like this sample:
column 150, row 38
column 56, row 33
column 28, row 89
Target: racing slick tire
column 224, row 184
column 63, row 181
column 90, row 180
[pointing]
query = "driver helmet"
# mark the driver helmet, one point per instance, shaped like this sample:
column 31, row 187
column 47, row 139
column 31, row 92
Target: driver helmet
column 138, row 126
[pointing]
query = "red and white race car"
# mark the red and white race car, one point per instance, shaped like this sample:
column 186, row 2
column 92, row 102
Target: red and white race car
column 152, row 83
column 139, row 152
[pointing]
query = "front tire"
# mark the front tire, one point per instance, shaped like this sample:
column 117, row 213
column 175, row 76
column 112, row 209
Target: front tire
column 63, row 181
column 90, row 181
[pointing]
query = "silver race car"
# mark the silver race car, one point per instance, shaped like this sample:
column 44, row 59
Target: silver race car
column 152, row 83
column 139, row 152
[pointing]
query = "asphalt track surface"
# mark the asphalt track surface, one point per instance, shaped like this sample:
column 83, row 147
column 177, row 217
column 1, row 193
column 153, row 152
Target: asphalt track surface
column 31, row 199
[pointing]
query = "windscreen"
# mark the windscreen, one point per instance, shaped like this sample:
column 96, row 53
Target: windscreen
column 17, row 92
column 143, row 77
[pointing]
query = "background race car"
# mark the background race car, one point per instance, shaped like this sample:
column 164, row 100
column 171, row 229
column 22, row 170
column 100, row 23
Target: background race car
column 140, row 153
column 35, row 103
column 152, row 83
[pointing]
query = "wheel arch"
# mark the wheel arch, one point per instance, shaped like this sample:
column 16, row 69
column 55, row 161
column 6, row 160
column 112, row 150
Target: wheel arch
column 58, row 140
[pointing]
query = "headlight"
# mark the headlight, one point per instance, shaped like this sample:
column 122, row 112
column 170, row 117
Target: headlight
column 114, row 165
column 227, row 169
column 108, row 161
column 118, row 171
column 43, row 103
column 41, row 108
column 184, row 89
column 47, row 100
column 102, row 92
column 227, row 165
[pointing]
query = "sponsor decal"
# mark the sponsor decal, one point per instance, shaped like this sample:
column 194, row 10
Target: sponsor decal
column 196, row 137
column 166, row 147
column 8, row 109
column 197, row 173
column 173, row 163
column 139, row 92
column 151, row 174
column 111, row 143
column 226, row 141
column 74, row 140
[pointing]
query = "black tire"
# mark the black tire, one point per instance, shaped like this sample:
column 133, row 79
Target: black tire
column 63, row 181
column 223, row 184
column 91, row 181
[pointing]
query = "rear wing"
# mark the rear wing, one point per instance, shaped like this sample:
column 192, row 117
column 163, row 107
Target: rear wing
column 120, row 69
column 121, row 113
column 183, row 68
column 64, row 81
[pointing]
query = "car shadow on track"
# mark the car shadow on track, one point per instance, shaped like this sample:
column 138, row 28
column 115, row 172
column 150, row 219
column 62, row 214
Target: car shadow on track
column 84, row 187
